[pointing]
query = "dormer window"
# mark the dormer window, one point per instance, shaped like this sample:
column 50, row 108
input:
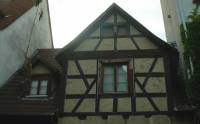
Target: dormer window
column 110, row 30
column 39, row 86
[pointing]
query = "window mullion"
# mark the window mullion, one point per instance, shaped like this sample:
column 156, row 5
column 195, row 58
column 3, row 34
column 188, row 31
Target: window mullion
column 38, row 88
column 115, row 78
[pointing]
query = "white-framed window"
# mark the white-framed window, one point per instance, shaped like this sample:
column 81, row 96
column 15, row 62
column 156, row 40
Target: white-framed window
column 39, row 87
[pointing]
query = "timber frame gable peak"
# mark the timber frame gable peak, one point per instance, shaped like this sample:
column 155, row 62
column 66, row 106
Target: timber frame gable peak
column 121, row 19
column 117, row 67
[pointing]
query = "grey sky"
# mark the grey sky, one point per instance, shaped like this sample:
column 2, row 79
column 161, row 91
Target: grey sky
column 70, row 17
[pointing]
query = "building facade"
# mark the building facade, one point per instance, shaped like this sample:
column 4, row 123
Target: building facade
column 114, row 72
column 119, row 72
column 22, row 25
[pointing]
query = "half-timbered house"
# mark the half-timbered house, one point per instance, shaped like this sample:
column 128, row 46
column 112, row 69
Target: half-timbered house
column 116, row 72
column 31, row 95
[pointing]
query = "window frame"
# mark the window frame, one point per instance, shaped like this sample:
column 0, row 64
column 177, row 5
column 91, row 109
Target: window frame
column 39, row 78
column 115, row 64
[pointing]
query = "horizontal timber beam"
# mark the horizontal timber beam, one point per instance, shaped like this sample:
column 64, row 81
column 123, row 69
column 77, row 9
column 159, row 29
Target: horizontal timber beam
column 121, row 36
column 151, row 74
column 78, row 96
column 80, row 76
column 83, row 55
column 115, row 113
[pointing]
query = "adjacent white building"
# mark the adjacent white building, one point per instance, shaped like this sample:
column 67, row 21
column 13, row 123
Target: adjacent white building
column 22, row 23
column 175, row 13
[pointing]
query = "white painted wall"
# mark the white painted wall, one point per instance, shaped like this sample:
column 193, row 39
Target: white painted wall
column 178, row 10
column 175, row 13
column 14, row 39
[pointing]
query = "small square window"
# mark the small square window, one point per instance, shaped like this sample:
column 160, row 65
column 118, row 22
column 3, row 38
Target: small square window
column 38, row 86
column 115, row 78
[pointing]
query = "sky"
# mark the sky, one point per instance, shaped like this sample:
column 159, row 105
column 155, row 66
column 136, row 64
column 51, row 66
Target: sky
column 70, row 17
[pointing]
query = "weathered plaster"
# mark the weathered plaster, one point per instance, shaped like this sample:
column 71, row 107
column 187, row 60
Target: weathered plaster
column 14, row 40
column 106, row 105
column 125, row 44
column 144, row 43
column 134, row 31
column 87, row 45
column 106, row 44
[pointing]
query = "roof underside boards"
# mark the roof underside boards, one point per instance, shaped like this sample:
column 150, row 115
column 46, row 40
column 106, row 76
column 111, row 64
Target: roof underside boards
column 12, row 100
column 48, row 56
column 12, row 9
column 96, row 24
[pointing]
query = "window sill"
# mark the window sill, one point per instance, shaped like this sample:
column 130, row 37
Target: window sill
column 36, row 97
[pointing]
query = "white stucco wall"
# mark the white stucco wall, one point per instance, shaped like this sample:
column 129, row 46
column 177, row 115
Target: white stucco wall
column 14, row 39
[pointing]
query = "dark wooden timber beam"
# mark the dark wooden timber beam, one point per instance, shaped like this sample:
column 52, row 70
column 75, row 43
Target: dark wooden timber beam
column 68, row 114
column 147, row 96
column 136, row 45
column 120, row 36
column 114, row 54
column 92, row 96
column 98, row 44
column 151, row 74
column 82, row 98
column 82, row 74
column 150, row 70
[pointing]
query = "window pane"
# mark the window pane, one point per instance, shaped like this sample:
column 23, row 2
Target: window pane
column 44, row 83
column 122, row 69
column 108, row 70
column 122, row 87
column 122, row 82
column 34, row 86
column 108, row 88
column 108, row 78
column 33, row 91
column 43, row 87
column 122, row 78
column 108, row 81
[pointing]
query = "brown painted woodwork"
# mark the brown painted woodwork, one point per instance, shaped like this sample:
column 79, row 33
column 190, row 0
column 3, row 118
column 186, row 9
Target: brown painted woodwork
column 149, row 71
column 136, row 45
column 86, row 55
column 82, row 98
column 115, row 66
column 82, row 74
column 146, row 94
